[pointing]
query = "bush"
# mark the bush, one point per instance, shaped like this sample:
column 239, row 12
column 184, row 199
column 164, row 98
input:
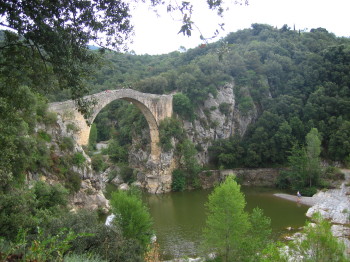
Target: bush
column 50, row 118
column 83, row 258
column 72, row 127
column 73, row 182
column 78, row 159
column 334, row 173
column 133, row 217
column 127, row 174
column 179, row 180
column 116, row 152
column 168, row 128
column 283, row 181
column 308, row 191
column 67, row 144
column 318, row 243
column 49, row 196
column 225, row 108
column 97, row 163
column 182, row 106
column 112, row 174
column 95, row 238
column 16, row 212
column 44, row 136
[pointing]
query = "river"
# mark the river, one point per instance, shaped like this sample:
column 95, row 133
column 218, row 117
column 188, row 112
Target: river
column 179, row 217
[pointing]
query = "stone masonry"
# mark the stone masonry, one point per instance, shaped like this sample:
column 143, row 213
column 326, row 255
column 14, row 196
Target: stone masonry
column 154, row 107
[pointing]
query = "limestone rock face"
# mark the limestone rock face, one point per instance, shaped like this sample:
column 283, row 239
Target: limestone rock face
column 156, row 177
column 90, row 195
column 92, row 201
column 333, row 204
column 218, row 118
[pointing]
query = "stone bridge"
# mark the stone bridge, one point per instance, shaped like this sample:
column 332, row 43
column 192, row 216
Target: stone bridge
column 154, row 107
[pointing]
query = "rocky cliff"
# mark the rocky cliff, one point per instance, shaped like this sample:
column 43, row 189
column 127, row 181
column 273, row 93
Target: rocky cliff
column 89, row 184
column 218, row 118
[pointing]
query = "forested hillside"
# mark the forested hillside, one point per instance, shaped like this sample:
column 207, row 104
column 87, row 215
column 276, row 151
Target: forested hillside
column 298, row 84
column 295, row 80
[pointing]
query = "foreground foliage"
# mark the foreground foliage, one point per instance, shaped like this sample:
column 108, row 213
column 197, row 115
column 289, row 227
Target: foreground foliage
column 230, row 231
column 132, row 217
column 319, row 243
column 34, row 226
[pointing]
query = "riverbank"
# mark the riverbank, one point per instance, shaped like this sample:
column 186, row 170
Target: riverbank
column 333, row 205
column 308, row 201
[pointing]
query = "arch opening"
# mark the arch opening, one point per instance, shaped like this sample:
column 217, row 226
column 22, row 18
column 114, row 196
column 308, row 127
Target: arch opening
column 151, row 121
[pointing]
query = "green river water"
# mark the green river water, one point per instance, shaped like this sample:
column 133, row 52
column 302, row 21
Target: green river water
column 179, row 217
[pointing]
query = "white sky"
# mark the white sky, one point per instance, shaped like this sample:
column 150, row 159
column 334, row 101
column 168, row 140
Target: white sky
column 159, row 35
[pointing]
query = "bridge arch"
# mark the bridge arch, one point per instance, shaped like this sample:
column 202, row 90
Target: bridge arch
column 154, row 107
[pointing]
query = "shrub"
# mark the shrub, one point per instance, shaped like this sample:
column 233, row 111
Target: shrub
column 44, row 136
column 16, row 212
column 127, row 174
column 116, row 152
column 308, row 191
column 225, row 108
column 179, row 180
column 168, row 128
column 183, row 106
column 97, row 162
column 112, row 174
column 73, row 182
column 334, row 173
column 83, row 257
column 134, row 218
column 72, row 127
column 78, row 159
column 318, row 243
column 95, row 238
column 50, row 118
column 67, row 144
column 49, row 196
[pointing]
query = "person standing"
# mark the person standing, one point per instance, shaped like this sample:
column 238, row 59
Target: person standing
column 299, row 196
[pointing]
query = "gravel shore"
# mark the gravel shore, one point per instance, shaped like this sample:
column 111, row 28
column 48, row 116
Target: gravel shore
column 308, row 201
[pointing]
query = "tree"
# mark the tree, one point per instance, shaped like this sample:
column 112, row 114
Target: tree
column 313, row 150
column 169, row 128
column 339, row 143
column 132, row 216
column 305, row 166
column 230, row 231
column 182, row 106
column 258, row 237
column 49, row 47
